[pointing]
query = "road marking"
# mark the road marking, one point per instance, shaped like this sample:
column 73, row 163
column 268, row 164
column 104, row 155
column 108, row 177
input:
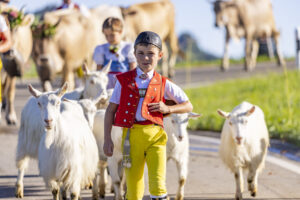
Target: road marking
column 215, row 142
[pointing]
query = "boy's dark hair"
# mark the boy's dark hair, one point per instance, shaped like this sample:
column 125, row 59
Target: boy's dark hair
column 113, row 23
column 148, row 38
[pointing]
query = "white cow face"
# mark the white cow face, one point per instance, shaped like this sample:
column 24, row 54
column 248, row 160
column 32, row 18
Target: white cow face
column 238, row 124
column 49, row 104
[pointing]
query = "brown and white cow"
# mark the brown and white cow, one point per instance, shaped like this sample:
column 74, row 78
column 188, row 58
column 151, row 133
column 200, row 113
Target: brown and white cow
column 15, row 60
column 71, row 43
column 159, row 17
column 249, row 19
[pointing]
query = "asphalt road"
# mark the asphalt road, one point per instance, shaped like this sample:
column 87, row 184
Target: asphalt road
column 208, row 178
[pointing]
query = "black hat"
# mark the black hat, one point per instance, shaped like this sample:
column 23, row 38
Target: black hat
column 148, row 37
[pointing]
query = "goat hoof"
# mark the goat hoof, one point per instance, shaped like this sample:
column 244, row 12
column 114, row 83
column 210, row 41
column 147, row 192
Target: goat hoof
column 19, row 191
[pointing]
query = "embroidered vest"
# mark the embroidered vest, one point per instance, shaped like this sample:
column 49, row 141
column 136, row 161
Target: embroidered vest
column 129, row 100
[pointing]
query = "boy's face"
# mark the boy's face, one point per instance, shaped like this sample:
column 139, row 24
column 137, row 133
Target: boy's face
column 112, row 37
column 147, row 56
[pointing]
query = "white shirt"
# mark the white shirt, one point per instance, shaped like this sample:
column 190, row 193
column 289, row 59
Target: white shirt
column 3, row 25
column 172, row 92
column 102, row 52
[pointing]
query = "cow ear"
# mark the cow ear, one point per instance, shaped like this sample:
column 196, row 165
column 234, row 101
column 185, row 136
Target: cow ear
column 250, row 111
column 223, row 113
column 62, row 90
column 194, row 115
column 34, row 91
column 106, row 68
column 28, row 20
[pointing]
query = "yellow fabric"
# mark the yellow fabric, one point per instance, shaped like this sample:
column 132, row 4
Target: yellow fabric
column 147, row 144
column 79, row 72
column 0, row 82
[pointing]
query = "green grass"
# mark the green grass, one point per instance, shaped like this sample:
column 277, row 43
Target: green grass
column 277, row 95
column 217, row 62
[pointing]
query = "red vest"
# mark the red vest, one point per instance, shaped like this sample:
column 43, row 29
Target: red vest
column 125, row 115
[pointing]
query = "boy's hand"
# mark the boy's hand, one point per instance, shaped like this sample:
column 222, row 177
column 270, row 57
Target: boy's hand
column 108, row 147
column 159, row 107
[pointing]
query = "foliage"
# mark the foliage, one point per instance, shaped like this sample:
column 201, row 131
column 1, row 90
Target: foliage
column 43, row 30
column 14, row 17
column 268, row 92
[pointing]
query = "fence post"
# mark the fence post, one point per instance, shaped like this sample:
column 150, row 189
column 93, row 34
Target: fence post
column 298, row 47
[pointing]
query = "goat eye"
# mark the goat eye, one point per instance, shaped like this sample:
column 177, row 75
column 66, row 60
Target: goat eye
column 230, row 123
column 173, row 121
column 39, row 104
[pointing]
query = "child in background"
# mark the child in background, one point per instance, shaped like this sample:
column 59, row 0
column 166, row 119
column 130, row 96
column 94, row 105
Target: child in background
column 138, row 104
column 120, row 52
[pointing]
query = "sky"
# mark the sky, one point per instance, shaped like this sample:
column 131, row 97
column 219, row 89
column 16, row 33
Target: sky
column 197, row 18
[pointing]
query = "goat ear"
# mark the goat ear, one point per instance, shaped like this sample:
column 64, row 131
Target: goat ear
column 62, row 90
column 85, row 69
column 33, row 91
column 223, row 113
column 69, row 100
column 194, row 115
column 250, row 111
column 106, row 68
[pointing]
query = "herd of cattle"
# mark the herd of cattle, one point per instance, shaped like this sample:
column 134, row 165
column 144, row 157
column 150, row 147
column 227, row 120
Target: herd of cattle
column 65, row 39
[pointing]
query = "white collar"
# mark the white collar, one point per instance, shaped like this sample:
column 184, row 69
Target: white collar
column 140, row 72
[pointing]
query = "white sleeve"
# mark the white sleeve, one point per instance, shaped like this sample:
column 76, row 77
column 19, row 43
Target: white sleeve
column 98, row 55
column 174, row 92
column 3, row 25
column 131, row 57
column 115, row 97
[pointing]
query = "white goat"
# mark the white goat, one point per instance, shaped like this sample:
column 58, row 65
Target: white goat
column 244, row 144
column 178, row 146
column 114, row 162
column 95, row 86
column 68, row 153
column 31, row 130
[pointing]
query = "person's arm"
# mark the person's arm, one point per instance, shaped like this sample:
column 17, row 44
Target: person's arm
column 177, row 95
column 108, row 146
column 6, row 42
column 165, row 109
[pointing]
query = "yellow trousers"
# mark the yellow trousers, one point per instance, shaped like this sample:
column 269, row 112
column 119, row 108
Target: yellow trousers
column 147, row 144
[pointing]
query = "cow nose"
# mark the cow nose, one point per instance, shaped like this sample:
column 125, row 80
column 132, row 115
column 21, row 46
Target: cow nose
column 44, row 59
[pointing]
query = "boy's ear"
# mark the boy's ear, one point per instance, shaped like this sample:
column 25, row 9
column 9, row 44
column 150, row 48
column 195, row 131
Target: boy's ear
column 160, row 54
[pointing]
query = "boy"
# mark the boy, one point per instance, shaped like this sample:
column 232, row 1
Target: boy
column 137, row 104
column 120, row 52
